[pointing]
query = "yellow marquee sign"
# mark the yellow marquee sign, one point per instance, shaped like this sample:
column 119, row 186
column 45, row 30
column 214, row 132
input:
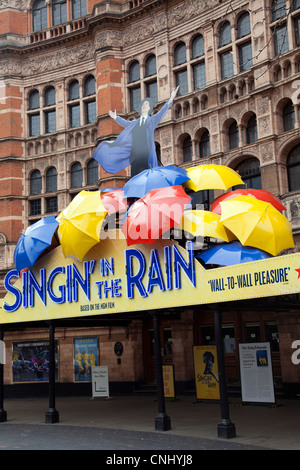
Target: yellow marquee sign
column 115, row 278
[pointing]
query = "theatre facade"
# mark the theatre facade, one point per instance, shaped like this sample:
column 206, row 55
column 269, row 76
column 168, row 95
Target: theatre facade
column 64, row 66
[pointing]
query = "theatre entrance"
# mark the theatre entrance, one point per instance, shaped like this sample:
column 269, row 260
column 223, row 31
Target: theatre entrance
column 148, row 348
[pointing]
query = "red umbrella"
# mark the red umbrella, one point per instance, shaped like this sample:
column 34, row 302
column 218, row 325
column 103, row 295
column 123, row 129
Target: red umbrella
column 260, row 194
column 113, row 201
column 156, row 213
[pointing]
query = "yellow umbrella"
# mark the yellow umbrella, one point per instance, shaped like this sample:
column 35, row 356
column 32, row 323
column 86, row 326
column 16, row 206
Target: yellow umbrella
column 80, row 224
column 212, row 177
column 257, row 223
column 205, row 224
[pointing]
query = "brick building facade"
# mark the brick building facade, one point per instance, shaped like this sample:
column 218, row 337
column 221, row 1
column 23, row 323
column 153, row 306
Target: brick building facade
column 66, row 63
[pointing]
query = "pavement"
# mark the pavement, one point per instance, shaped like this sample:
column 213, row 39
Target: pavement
column 128, row 423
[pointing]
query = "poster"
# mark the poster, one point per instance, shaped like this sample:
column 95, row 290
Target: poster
column 206, row 372
column 100, row 386
column 169, row 382
column 85, row 357
column 256, row 372
column 30, row 361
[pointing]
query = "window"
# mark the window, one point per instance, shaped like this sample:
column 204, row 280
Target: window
column 78, row 8
column 245, row 56
column 252, row 331
column 74, row 90
column 76, row 175
column 90, row 103
column 92, row 172
column 51, row 180
column 281, row 40
column 249, row 171
column 199, row 75
column 151, row 90
column 182, row 81
column 179, row 54
column 135, row 98
column 295, row 4
column 39, row 15
column 272, row 335
column 51, row 204
column 297, row 30
column 187, row 150
column 278, row 9
column 50, row 121
column 74, row 115
column 226, row 60
column 90, row 112
column 134, row 72
column 243, row 25
column 34, row 100
column 35, row 207
column 150, row 66
column 34, row 125
column 204, row 146
column 35, row 182
column 225, row 34
column 251, row 130
column 59, row 11
column 233, row 136
column 89, row 86
column 49, row 99
column 293, row 168
column 228, row 338
column 151, row 85
column 288, row 115
column 198, row 47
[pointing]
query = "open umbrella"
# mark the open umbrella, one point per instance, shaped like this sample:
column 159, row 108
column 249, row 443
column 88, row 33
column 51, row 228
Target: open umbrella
column 80, row 224
column 156, row 213
column 113, row 201
column 227, row 254
column 153, row 178
column 257, row 223
column 34, row 241
column 205, row 224
column 260, row 194
column 212, row 177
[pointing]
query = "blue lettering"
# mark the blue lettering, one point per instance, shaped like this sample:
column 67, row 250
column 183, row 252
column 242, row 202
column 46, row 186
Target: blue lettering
column 62, row 289
column 13, row 290
column 34, row 286
column 168, row 267
column 188, row 267
column 84, row 283
column 135, row 280
column 155, row 274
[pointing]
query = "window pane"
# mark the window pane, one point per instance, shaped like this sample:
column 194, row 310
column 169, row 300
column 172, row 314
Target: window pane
column 293, row 169
column 251, row 130
column 74, row 90
column 245, row 56
column 89, row 86
column 35, row 207
column 135, row 98
column 34, row 100
column 226, row 64
column 288, row 117
column 150, row 66
column 180, row 54
column 182, row 82
column 252, row 332
column 51, row 180
column 204, row 145
column 243, row 25
column 272, row 335
column 199, row 75
column 208, row 335
column 79, row 8
column 151, row 90
column 50, row 121
column 198, row 47
column 295, row 4
column 278, row 9
column 225, row 34
column 187, row 150
column 134, row 72
column 59, row 11
column 233, row 136
column 74, row 115
column 90, row 110
column 51, row 204
column 92, row 172
column 39, row 15
column 76, row 175
column 249, row 171
column 228, row 338
column 297, row 30
column 281, row 40
column 50, row 96
column 35, row 182
column 34, row 125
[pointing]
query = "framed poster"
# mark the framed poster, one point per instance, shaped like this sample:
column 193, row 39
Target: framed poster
column 206, row 372
column 85, row 357
column 169, row 381
column 100, row 382
column 30, row 361
column 256, row 372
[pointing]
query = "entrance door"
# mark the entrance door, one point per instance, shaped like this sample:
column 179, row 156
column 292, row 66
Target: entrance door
column 148, row 349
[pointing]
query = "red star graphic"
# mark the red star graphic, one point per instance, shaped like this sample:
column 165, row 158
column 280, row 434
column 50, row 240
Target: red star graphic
column 298, row 271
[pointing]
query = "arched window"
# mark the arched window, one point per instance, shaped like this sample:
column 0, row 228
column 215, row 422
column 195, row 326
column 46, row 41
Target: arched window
column 150, row 66
column 187, row 149
column 243, row 25
column 278, row 9
column 134, row 71
column 73, row 90
column 249, row 171
column 288, row 115
column 39, row 15
column 49, row 99
column 92, row 172
column 225, row 34
column 204, row 146
column 59, row 11
column 251, row 130
column 51, row 180
column 293, row 168
column 198, row 47
column 74, row 109
column 179, row 54
column 90, row 104
column 34, row 118
column 35, row 182
column 233, row 134
column 89, row 86
column 78, row 8
column 34, row 100
column 76, row 175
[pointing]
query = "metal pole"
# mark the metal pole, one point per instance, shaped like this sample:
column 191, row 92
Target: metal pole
column 226, row 428
column 3, row 414
column 52, row 415
column 162, row 421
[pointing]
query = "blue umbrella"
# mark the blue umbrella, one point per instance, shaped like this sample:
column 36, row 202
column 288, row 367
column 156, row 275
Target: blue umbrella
column 154, row 178
column 227, row 254
column 107, row 190
column 36, row 239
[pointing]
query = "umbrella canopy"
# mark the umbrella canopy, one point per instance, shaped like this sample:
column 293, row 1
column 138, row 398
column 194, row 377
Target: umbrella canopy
column 257, row 223
column 153, row 178
column 80, row 224
column 260, row 194
column 212, row 177
column 34, row 241
column 156, row 213
column 227, row 254
column 205, row 224
column 113, row 201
